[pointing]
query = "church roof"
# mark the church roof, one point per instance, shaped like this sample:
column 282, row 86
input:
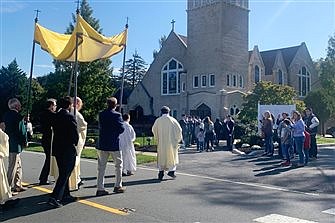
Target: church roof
column 183, row 38
column 269, row 57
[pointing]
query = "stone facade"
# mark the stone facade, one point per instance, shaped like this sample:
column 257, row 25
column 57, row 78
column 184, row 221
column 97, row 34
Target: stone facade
column 208, row 72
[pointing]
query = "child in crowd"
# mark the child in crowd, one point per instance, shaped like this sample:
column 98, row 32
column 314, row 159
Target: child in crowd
column 201, row 140
column 286, row 140
column 127, row 147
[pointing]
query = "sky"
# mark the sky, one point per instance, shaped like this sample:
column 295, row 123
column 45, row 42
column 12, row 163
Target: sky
column 273, row 24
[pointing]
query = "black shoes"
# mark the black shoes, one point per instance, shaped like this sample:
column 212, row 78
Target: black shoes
column 119, row 190
column 44, row 183
column 171, row 174
column 101, row 193
column 53, row 202
column 160, row 175
column 69, row 199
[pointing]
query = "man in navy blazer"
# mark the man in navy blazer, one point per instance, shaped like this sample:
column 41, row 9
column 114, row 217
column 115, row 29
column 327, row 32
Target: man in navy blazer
column 110, row 127
column 64, row 149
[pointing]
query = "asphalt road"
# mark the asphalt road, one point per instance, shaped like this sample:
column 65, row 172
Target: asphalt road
column 210, row 187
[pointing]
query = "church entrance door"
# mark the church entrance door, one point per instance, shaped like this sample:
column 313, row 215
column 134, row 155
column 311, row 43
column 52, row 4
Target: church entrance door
column 202, row 111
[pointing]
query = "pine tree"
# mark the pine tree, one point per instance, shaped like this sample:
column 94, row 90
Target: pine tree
column 135, row 69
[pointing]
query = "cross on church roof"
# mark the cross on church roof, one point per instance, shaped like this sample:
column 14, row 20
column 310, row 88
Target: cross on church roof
column 173, row 22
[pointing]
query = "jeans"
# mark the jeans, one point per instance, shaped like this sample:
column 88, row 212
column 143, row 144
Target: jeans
column 286, row 151
column 102, row 162
column 269, row 144
column 299, row 144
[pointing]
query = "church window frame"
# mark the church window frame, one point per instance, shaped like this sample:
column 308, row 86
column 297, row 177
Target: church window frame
column 228, row 79
column 304, row 80
column 212, row 80
column 257, row 74
column 240, row 81
column 234, row 80
column 170, row 77
column 196, row 81
column 280, row 77
column 203, row 81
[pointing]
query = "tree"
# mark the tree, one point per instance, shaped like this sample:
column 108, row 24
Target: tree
column 94, row 78
column 268, row 93
column 13, row 83
column 161, row 42
column 318, row 101
column 135, row 69
column 327, row 76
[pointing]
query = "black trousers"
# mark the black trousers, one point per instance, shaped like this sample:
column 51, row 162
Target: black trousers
column 313, row 152
column 65, row 163
column 46, row 167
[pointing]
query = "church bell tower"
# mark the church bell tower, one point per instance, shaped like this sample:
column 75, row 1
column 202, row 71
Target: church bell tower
column 217, row 43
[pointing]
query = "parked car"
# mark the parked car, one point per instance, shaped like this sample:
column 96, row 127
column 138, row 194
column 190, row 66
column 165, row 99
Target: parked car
column 331, row 131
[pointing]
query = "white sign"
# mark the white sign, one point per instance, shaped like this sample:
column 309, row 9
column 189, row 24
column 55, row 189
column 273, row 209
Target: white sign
column 275, row 110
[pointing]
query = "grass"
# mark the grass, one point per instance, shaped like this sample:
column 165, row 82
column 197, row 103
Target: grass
column 323, row 140
column 92, row 154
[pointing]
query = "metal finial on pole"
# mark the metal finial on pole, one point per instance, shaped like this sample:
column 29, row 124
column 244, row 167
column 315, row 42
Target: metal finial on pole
column 123, row 67
column 36, row 18
column 173, row 22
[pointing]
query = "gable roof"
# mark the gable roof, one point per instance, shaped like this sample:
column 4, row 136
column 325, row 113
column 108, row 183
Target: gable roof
column 269, row 57
column 183, row 39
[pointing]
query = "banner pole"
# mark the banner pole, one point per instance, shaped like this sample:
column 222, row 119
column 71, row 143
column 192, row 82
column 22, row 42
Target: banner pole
column 123, row 67
column 32, row 65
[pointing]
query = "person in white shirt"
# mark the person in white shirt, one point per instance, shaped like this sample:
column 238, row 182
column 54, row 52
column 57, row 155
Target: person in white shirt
column 127, row 147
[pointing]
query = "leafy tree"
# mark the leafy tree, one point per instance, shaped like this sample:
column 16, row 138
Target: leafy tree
column 327, row 75
column 135, row 69
column 161, row 42
column 94, row 78
column 267, row 93
column 318, row 101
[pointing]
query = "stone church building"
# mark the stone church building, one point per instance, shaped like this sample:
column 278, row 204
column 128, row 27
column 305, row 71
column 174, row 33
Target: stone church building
column 209, row 71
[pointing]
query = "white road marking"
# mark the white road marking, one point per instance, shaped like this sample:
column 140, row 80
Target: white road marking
column 264, row 186
column 329, row 211
column 277, row 218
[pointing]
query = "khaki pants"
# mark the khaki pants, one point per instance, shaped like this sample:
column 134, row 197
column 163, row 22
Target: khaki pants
column 14, row 173
column 102, row 162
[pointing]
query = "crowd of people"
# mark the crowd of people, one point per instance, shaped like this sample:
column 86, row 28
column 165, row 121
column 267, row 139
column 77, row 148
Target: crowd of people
column 205, row 134
column 295, row 135
column 64, row 132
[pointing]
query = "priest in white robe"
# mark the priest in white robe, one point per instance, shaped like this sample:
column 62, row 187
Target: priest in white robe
column 127, row 148
column 5, row 190
column 168, row 134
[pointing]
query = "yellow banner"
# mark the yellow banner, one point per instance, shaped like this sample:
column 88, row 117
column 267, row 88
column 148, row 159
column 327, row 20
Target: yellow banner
column 91, row 44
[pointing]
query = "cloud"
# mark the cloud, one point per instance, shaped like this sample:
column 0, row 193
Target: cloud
column 11, row 6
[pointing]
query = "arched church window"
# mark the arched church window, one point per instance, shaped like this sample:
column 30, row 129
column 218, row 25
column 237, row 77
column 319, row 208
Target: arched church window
column 240, row 81
column 280, row 77
column 304, row 81
column 234, row 81
column 170, row 77
column 257, row 77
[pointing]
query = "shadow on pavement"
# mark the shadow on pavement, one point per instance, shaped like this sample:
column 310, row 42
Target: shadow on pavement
column 27, row 206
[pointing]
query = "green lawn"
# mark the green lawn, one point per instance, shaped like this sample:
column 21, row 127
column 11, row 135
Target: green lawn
column 92, row 154
column 323, row 140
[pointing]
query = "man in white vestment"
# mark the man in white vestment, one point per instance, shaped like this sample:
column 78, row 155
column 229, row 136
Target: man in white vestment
column 75, row 181
column 168, row 134
column 5, row 190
